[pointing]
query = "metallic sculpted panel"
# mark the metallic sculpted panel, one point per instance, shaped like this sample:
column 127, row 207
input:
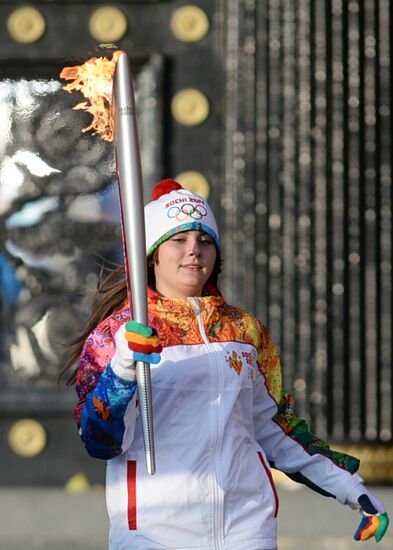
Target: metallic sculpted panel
column 59, row 215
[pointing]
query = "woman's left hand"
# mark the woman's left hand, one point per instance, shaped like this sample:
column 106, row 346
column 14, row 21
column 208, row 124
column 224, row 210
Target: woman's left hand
column 375, row 520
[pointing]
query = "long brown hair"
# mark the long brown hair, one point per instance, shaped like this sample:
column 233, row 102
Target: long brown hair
column 111, row 296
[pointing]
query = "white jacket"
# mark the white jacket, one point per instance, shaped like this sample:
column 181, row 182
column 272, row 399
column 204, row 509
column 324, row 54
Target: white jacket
column 220, row 417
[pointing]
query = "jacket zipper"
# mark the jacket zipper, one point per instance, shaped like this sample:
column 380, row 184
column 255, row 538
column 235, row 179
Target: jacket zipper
column 199, row 319
column 218, row 505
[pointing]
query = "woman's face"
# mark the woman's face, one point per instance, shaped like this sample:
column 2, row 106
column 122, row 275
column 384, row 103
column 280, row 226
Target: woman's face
column 185, row 263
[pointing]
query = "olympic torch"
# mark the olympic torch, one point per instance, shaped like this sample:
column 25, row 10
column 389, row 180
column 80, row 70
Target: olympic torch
column 129, row 174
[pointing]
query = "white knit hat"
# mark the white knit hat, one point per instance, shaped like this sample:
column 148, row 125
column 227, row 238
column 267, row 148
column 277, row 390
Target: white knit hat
column 174, row 209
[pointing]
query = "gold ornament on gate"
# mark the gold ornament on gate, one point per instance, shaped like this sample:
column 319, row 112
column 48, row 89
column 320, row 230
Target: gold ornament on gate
column 27, row 438
column 189, row 23
column 26, row 25
column 190, row 107
column 108, row 24
column 194, row 182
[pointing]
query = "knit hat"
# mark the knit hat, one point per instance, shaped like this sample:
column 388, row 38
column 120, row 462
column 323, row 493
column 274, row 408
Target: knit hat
column 174, row 209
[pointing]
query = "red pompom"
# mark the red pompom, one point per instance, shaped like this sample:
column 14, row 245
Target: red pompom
column 164, row 187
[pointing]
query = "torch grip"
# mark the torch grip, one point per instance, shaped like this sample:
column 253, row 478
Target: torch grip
column 143, row 378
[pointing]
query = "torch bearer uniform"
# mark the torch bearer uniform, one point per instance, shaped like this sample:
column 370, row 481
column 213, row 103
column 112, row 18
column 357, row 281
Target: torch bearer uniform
column 221, row 420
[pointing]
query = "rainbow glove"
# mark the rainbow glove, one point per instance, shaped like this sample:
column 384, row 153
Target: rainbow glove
column 134, row 342
column 375, row 520
column 374, row 523
column 143, row 342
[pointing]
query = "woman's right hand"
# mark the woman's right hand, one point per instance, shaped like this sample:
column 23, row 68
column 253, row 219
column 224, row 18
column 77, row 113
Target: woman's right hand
column 134, row 342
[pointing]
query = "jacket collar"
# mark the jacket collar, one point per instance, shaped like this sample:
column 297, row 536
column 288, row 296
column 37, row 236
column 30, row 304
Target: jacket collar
column 210, row 299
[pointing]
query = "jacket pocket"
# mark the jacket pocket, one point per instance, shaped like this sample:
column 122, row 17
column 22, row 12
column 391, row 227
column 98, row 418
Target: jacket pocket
column 270, row 478
column 131, row 494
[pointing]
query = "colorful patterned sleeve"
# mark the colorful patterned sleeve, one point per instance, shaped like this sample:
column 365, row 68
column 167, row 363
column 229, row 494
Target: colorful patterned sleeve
column 286, row 439
column 298, row 429
column 104, row 397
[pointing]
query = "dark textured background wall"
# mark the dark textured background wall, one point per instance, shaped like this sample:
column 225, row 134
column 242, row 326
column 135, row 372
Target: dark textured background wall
column 280, row 111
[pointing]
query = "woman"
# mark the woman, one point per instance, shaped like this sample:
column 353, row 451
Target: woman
column 220, row 413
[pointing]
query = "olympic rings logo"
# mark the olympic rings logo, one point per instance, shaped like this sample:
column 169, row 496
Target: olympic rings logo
column 187, row 211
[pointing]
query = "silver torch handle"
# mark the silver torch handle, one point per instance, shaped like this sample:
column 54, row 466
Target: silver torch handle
column 130, row 182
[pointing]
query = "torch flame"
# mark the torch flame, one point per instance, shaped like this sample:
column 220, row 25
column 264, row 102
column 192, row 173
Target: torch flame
column 94, row 79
